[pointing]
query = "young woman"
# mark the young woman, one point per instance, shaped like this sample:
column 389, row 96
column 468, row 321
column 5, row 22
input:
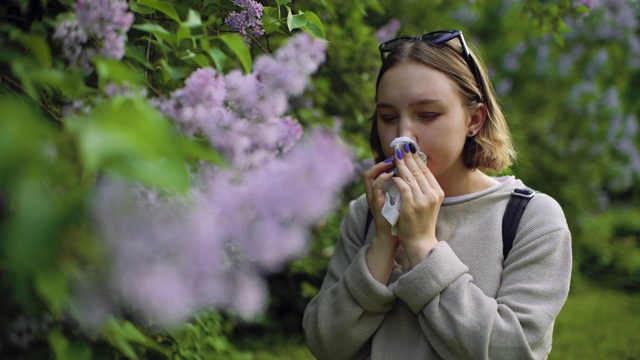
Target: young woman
column 441, row 287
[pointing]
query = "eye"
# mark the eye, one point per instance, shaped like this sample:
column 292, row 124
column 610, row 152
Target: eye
column 428, row 115
column 388, row 118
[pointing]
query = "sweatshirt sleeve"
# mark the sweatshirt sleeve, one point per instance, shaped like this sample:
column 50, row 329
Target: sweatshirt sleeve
column 460, row 321
column 340, row 321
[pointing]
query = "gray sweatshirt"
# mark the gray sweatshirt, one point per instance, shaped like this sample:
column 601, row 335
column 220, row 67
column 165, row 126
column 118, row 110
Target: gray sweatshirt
column 462, row 301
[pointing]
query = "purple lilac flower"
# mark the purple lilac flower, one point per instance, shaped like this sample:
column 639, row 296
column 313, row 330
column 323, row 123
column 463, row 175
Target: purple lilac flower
column 468, row 15
column 389, row 31
column 203, row 94
column 587, row 3
column 248, row 22
column 124, row 89
column 107, row 21
column 73, row 38
column 511, row 60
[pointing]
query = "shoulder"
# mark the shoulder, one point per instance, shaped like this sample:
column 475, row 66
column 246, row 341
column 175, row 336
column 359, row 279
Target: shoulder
column 546, row 208
column 541, row 206
column 544, row 224
column 359, row 206
column 355, row 219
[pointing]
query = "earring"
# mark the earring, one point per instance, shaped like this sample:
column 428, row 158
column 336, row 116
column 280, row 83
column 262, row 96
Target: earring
column 471, row 132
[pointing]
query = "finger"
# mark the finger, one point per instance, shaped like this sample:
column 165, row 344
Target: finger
column 428, row 175
column 406, row 192
column 418, row 169
column 374, row 172
column 375, row 194
column 409, row 171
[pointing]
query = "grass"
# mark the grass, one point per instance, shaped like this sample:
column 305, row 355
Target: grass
column 598, row 323
column 595, row 323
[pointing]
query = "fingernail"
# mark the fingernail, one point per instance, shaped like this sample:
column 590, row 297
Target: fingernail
column 406, row 147
column 399, row 153
column 412, row 148
column 389, row 160
column 390, row 171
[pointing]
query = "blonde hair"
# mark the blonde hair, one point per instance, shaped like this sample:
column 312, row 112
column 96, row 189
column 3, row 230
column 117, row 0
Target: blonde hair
column 492, row 147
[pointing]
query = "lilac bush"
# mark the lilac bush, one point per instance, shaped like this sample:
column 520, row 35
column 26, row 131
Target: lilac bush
column 608, row 35
column 175, row 255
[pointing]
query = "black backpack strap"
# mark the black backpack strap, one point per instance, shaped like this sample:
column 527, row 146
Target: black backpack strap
column 513, row 213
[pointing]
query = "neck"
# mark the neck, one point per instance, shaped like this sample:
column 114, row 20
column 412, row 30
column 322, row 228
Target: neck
column 465, row 182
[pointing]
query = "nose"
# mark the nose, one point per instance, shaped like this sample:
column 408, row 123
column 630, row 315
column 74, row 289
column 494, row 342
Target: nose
column 406, row 128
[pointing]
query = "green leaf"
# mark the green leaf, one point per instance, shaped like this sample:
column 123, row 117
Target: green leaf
column 201, row 60
column 38, row 46
column 70, row 83
column 295, row 21
column 140, row 9
column 270, row 20
column 218, row 57
column 121, row 333
column 64, row 349
column 111, row 70
column 269, row 11
column 129, row 138
column 238, row 46
column 160, row 33
column 171, row 73
column 53, row 287
column 283, row 2
column 184, row 32
column 582, row 9
column 164, row 7
column 193, row 19
column 137, row 54
column 314, row 24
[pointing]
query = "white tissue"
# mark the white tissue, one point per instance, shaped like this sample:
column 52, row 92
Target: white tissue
column 397, row 143
column 391, row 208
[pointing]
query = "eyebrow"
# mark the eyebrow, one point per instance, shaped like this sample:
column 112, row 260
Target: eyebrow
column 413, row 103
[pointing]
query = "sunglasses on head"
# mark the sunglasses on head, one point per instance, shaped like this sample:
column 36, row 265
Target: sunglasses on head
column 436, row 38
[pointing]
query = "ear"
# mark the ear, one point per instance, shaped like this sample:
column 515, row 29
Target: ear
column 476, row 120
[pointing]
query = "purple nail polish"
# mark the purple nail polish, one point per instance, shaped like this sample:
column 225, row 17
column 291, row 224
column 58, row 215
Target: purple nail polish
column 389, row 160
column 406, row 147
column 399, row 153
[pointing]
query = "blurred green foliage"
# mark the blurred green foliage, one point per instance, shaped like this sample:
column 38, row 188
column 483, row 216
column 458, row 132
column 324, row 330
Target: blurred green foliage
column 569, row 111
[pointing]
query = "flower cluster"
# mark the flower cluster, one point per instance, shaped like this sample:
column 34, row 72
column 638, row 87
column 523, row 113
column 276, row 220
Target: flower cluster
column 242, row 115
column 105, row 21
column 174, row 255
column 248, row 22
column 73, row 39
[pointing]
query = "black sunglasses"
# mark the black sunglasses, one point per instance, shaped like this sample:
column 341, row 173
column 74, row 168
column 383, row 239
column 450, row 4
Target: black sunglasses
column 435, row 38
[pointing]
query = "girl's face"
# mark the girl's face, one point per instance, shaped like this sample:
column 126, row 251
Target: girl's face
column 416, row 101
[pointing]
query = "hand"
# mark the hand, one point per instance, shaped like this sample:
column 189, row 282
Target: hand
column 381, row 253
column 422, row 197
column 374, row 179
